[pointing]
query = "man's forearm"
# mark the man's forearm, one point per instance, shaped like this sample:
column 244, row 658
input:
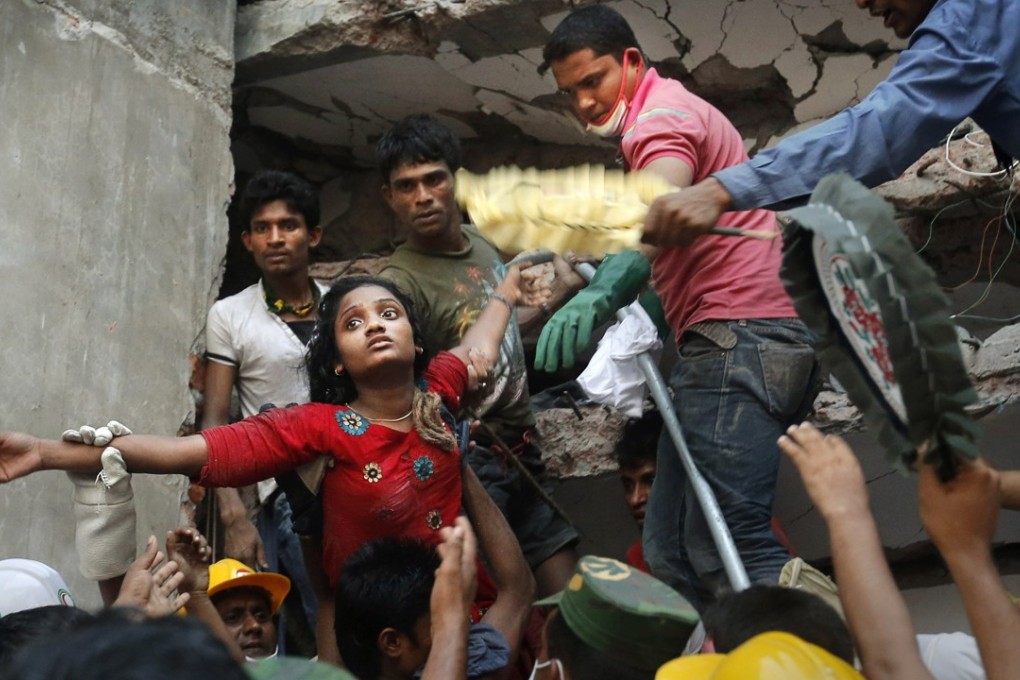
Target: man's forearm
column 878, row 617
column 993, row 618
column 1009, row 488
column 448, row 656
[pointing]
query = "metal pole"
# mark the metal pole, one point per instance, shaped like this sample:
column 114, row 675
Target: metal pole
column 703, row 492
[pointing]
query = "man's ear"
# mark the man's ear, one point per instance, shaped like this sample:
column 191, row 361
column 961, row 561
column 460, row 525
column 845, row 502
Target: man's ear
column 246, row 239
column 387, row 194
column 314, row 235
column 391, row 643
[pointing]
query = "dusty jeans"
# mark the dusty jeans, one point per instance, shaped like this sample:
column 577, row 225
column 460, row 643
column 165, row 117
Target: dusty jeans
column 735, row 395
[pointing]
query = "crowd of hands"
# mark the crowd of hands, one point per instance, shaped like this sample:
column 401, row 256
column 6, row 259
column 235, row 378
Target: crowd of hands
column 960, row 515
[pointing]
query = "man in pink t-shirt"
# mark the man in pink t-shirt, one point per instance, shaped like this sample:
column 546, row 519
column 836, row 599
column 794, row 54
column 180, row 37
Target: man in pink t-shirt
column 746, row 369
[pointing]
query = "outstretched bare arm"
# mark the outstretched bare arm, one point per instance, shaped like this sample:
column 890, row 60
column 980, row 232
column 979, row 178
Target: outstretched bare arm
column 22, row 454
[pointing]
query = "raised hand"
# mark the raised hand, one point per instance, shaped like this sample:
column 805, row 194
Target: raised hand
column 190, row 550
column 960, row 515
column 830, row 470
column 678, row 218
column 149, row 585
column 456, row 577
column 243, row 543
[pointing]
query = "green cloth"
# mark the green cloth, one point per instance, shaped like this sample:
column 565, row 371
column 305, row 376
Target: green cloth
column 628, row 615
column 890, row 291
column 449, row 291
column 294, row 668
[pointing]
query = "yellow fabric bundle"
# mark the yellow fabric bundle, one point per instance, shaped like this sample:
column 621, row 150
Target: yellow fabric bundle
column 585, row 209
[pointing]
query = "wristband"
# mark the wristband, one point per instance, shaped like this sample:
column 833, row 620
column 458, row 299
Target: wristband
column 509, row 305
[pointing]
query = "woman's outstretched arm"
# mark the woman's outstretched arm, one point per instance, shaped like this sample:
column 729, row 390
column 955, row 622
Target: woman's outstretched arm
column 22, row 454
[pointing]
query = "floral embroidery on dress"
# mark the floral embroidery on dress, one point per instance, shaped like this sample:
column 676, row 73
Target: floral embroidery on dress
column 351, row 423
column 372, row 473
column 434, row 520
column 423, row 468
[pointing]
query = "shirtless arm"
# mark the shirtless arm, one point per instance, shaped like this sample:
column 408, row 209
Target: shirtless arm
column 22, row 454
column 514, row 583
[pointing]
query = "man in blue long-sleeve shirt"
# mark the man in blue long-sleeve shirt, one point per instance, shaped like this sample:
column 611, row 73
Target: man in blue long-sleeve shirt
column 963, row 59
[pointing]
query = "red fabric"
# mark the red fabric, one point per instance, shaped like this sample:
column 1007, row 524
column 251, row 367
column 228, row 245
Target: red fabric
column 636, row 557
column 717, row 277
column 355, row 510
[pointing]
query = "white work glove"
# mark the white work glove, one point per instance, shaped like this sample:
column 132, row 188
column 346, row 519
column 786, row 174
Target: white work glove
column 104, row 507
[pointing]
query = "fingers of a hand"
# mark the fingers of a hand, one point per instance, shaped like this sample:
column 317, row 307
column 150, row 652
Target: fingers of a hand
column 547, row 350
column 260, row 556
column 651, row 228
column 88, row 434
column 790, row 448
column 585, row 327
column 179, row 601
column 118, row 429
column 470, row 545
column 165, row 572
column 568, row 343
column 72, row 436
column 149, row 556
column 171, row 584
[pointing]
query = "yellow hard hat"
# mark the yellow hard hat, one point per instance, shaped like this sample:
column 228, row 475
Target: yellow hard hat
column 769, row 656
column 227, row 574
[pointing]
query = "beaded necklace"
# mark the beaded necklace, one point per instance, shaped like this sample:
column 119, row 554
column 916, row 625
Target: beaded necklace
column 279, row 306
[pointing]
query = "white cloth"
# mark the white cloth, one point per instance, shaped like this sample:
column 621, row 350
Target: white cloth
column 951, row 656
column 613, row 376
column 241, row 332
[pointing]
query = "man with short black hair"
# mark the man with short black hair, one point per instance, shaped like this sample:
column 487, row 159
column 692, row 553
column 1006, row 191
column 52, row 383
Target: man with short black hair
column 255, row 343
column 737, row 617
column 635, row 454
column 450, row 272
column 746, row 368
column 388, row 593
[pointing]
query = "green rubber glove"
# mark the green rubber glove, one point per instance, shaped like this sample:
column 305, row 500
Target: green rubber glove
column 652, row 303
column 616, row 283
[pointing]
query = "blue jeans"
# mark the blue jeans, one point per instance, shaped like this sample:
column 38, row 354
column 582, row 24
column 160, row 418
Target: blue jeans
column 283, row 549
column 734, row 396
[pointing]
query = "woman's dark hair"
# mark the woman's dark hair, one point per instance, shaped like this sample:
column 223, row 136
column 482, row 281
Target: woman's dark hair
column 417, row 139
column 325, row 385
column 387, row 583
column 598, row 28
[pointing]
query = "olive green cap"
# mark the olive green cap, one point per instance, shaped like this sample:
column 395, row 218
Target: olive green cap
column 625, row 613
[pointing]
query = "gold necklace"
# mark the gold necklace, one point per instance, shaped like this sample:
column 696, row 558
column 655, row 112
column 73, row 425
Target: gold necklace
column 383, row 420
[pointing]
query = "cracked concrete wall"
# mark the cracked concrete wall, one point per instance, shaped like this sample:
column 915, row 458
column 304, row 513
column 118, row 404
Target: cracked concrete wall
column 114, row 134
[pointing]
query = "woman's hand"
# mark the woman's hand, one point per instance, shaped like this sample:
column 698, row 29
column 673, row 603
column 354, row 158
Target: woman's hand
column 19, row 456
column 524, row 286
